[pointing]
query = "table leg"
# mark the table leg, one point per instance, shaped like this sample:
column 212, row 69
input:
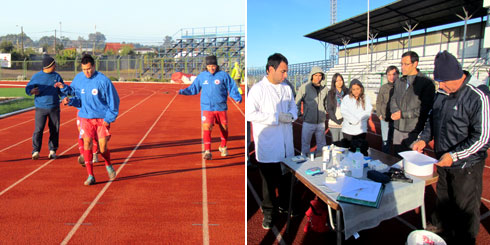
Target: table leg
column 339, row 227
column 422, row 213
column 293, row 179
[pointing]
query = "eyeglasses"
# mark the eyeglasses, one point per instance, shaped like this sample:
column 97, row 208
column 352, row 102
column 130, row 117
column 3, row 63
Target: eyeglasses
column 406, row 64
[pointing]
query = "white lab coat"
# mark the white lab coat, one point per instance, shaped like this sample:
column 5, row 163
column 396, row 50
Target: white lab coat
column 355, row 118
column 273, row 139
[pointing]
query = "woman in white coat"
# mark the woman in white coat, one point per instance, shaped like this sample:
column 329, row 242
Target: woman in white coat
column 355, row 109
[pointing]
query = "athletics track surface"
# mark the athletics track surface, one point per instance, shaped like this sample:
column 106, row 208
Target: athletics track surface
column 164, row 192
column 393, row 231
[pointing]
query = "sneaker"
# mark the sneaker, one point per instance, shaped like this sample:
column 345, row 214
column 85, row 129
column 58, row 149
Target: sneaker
column 223, row 150
column 282, row 210
column 95, row 158
column 90, row 180
column 111, row 172
column 207, row 155
column 81, row 160
column 35, row 155
column 52, row 155
column 267, row 223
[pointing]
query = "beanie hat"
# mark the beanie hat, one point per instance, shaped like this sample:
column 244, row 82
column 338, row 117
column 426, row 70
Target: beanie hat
column 48, row 62
column 211, row 60
column 447, row 67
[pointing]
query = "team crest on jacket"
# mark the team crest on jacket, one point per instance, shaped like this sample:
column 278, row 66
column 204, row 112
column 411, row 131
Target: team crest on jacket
column 216, row 81
column 95, row 91
column 203, row 118
column 205, row 82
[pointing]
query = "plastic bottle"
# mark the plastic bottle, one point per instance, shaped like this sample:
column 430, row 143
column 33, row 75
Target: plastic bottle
column 357, row 164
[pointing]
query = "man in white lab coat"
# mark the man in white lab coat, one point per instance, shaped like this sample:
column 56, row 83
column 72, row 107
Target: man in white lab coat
column 271, row 108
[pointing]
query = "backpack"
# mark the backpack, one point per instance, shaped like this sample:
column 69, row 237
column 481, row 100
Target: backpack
column 317, row 216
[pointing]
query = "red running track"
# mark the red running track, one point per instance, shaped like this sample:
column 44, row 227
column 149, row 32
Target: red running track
column 164, row 192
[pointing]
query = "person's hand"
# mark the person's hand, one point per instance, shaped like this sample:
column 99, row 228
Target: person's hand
column 285, row 117
column 445, row 161
column 35, row 91
column 59, row 85
column 106, row 124
column 396, row 116
column 419, row 146
column 65, row 101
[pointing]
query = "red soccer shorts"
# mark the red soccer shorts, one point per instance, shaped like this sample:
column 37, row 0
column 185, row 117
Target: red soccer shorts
column 93, row 128
column 213, row 117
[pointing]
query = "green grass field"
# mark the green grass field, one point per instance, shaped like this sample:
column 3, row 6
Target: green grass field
column 25, row 102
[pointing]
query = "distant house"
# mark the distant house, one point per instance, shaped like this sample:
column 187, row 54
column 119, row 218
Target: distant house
column 115, row 47
column 144, row 50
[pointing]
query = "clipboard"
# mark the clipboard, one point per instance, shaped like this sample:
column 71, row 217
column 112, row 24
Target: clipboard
column 375, row 193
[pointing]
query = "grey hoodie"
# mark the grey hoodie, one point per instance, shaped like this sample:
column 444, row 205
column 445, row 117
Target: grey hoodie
column 313, row 99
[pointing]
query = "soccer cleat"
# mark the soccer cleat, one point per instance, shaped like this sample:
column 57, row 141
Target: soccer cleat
column 52, row 155
column 111, row 172
column 223, row 150
column 90, row 180
column 81, row 160
column 207, row 155
column 95, row 158
column 35, row 155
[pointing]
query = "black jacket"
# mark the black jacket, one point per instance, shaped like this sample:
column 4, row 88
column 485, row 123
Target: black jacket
column 414, row 102
column 460, row 123
column 383, row 101
column 332, row 104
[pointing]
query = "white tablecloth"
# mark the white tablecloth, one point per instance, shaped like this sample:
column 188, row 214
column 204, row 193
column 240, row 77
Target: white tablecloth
column 398, row 198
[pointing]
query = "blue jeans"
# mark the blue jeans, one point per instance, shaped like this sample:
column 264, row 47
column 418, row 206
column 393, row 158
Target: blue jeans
column 387, row 135
column 307, row 132
column 53, row 116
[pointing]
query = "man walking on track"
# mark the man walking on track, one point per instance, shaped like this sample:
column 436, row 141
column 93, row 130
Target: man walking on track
column 215, row 86
column 47, row 103
column 99, row 108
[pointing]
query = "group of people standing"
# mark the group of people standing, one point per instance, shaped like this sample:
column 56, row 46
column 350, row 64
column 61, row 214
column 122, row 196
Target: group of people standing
column 412, row 113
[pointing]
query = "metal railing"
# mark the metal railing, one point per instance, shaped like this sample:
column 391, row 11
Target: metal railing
column 126, row 68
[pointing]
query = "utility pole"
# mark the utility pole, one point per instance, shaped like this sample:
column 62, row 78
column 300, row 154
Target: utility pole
column 22, row 39
column 55, row 41
column 61, row 36
column 95, row 40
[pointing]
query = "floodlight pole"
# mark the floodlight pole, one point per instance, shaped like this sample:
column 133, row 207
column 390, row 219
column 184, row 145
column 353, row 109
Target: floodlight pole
column 367, row 32
column 409, row 29
column 345, row 42
column 466, row 18
column 372, row 37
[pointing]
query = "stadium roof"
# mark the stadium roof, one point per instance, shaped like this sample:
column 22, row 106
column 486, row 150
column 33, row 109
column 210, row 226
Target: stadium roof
column 390, row 19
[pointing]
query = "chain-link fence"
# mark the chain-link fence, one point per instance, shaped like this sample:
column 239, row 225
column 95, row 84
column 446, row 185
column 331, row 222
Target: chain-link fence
column 127, row 68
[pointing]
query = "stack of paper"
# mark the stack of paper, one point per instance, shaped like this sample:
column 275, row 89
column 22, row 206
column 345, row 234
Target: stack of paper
column 361, row 192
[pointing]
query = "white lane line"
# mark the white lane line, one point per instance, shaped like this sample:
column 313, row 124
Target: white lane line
column 259, row 202
column 33, row 172
column 48, row 162
column 73, row 119
column 486, row 200
column 406, row 223
column 205, row 217
column 109, row 183
column 485, row 215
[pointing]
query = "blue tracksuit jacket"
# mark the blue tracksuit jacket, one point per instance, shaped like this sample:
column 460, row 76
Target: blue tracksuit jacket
column 214, row 90
column 98, row 96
